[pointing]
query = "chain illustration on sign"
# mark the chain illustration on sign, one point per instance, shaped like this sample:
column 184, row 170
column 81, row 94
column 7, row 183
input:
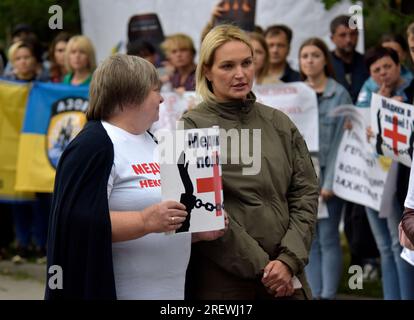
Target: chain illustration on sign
column 203, row 185
column 208, row 205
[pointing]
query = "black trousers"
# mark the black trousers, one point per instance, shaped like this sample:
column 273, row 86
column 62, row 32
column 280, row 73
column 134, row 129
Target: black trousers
column 358, row 232
column 6, row 225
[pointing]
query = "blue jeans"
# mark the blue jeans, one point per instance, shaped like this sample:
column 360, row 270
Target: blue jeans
column 324, row 270
column 22, row 216
column 31, row 220
column 397, row 275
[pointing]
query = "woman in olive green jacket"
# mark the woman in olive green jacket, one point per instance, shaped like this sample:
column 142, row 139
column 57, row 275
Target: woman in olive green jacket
column 271, row 200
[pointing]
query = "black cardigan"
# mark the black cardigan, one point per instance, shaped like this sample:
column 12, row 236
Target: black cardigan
column 80, row 239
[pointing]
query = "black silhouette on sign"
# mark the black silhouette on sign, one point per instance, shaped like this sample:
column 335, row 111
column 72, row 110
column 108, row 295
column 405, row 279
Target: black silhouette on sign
column 378, row 146
column 187, row 198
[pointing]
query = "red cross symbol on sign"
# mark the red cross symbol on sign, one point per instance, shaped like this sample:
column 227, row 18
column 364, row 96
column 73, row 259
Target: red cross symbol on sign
column 394, row 135
column 212, row 184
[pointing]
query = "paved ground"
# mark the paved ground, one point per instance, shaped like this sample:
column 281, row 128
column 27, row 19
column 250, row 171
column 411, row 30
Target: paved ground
column 12, row 288
column 26, row 282
column 22, row 282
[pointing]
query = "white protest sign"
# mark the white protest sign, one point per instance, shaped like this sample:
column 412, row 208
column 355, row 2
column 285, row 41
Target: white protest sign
column 172, row 109
column 322, row 209
column 299, row 102
column 408, row 255
column 194, row 178
column 393, row 126
column 360, row 173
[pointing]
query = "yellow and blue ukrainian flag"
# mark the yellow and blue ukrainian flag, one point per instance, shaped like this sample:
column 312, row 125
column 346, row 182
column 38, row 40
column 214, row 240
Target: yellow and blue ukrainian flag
column 55, row 114
column 13, row 97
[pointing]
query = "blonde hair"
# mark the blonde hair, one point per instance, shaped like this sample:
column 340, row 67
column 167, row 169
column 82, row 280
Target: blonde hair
column 265, row 68
column 86, row 46
column 18, row 45
column 217, row 37
column 178, row 40
column 120, row 80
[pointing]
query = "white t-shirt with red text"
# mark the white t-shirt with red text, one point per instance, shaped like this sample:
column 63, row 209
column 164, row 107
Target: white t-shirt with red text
column 153, row 266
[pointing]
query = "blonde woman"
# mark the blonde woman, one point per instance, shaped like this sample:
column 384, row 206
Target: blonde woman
column 272, row 210
column 180, row 51
column 79, row 60
column 25, row 61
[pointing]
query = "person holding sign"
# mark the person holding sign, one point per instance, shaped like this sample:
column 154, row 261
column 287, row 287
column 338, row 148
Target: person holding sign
column 108, row 224
column 398, row 43
column 272, row 202
column 325, row 263
column 29, row 217
column 386, row 80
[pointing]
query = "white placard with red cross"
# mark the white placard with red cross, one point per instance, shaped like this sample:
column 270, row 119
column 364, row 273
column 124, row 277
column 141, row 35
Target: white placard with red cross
column 393, row 125
column 194, row 177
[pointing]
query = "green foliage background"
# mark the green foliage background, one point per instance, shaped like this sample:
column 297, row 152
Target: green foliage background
column 382, row 16
column 36, row 13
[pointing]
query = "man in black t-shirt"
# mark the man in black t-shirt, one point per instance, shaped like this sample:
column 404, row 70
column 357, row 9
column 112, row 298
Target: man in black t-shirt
column 350, row 69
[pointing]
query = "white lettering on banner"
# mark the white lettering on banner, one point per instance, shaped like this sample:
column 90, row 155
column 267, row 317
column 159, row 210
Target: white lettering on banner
column 72, row 104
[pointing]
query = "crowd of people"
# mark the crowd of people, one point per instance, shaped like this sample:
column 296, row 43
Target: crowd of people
column 272, row 235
